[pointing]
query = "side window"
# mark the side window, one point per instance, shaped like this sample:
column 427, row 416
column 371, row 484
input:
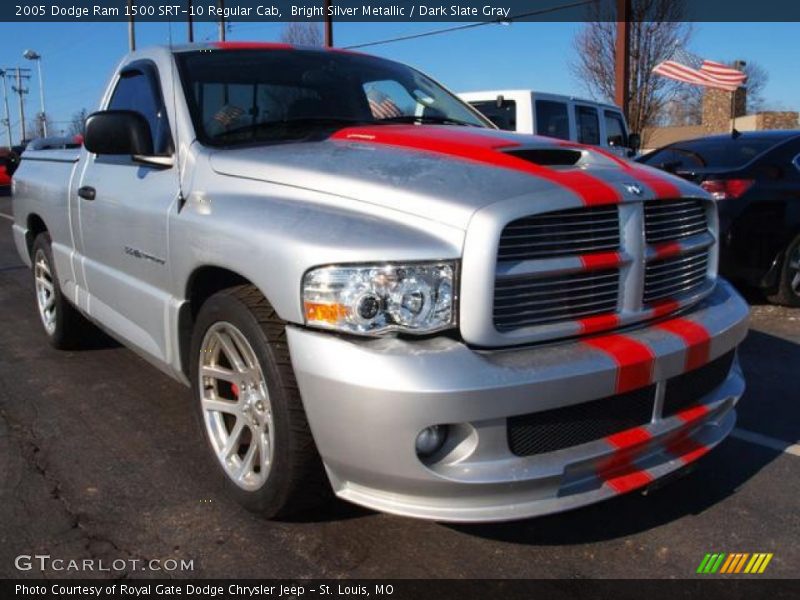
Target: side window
column 615, row 129
column 135, row 91
column 588, row 125
column 504, row 116
column 552, row 119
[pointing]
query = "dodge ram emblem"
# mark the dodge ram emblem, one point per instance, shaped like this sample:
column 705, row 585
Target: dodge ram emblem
column 633, row 188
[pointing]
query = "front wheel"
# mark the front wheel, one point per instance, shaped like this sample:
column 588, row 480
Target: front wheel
column 788, row 292
column 249, row 407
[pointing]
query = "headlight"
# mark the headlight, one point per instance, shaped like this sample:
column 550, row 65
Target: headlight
column 374, row 299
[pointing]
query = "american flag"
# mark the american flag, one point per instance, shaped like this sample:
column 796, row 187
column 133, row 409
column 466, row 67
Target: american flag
column 688, row 68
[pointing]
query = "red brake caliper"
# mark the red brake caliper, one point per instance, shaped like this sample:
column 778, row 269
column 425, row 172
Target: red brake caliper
column 235, row 389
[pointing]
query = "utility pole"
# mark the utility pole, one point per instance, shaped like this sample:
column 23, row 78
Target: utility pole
column 328, row 25
column 131, row 31
column 191, row 23
column 20, row 74
column 221, row 4
column 7, row 120
column 622, row 56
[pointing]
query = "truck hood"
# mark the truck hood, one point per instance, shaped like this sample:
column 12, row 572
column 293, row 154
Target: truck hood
column 446, row 173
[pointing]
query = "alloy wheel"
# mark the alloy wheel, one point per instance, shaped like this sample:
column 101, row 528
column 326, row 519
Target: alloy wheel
column 45, row 292
column 236, row 407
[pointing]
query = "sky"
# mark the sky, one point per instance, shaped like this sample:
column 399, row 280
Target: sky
column 78, row 58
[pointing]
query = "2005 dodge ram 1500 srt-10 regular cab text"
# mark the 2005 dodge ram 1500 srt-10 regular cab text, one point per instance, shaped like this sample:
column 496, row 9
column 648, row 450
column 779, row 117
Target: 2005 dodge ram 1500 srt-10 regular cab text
column 371, row 289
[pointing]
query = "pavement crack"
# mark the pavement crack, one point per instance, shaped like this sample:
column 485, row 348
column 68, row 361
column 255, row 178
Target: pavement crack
column 31, row 450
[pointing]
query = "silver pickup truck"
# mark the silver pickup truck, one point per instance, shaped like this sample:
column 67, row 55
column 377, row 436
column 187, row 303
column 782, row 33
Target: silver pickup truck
column 370, row 289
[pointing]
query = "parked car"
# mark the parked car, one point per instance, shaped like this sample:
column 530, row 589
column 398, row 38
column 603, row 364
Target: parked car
column 433, row 317
column 756, row 178
column 9, row 159
column 557, row 116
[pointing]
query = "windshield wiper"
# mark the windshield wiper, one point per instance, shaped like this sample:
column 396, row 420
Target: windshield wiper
column 426, row 119
column 281, row 126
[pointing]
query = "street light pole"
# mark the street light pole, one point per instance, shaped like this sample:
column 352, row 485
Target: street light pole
column 35, row 56
column 5, row 102
column 131, row 28
column 21, row 91
column 328, row 25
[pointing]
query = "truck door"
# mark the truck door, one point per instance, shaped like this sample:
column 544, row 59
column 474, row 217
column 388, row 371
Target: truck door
column 123, row 208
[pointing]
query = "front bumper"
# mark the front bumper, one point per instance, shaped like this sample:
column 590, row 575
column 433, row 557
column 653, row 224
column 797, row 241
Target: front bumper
column 367, row 400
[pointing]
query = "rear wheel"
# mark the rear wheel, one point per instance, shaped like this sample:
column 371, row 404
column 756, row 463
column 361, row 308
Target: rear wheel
column 788, row 292
column 62, row 323
column 249, row 407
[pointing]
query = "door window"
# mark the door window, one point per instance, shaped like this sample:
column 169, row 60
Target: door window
column 588, row 125
column 615, row 129
column 552, row 119
column 138, row 92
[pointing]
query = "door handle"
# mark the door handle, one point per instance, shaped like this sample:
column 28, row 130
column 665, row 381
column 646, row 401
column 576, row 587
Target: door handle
column 87, row 192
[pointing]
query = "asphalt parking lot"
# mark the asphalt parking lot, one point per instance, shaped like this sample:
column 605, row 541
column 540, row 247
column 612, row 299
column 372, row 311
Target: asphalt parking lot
column 100, row 458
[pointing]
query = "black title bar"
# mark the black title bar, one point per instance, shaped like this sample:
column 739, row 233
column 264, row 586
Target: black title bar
column 392, row 11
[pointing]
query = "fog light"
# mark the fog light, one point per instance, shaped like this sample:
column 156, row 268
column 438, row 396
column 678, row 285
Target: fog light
column 431, row 439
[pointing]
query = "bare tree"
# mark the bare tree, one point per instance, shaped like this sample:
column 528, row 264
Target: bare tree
column 656, row 32
column 302, row 34
column 757, row 78
column 78, row 122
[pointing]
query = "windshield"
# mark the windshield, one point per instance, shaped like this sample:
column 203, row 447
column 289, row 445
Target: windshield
column 250, row 96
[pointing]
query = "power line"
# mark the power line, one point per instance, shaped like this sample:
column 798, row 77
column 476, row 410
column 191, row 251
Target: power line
column 413, row 36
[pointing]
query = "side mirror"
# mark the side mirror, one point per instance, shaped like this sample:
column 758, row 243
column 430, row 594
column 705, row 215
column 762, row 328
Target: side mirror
column 118, row 132
column 634, row 141
column 500, row 101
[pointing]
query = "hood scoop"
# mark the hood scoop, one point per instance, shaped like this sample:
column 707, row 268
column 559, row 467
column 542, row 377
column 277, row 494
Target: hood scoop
column 548, row 157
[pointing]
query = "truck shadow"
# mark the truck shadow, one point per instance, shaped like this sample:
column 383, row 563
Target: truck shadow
column 768, row 407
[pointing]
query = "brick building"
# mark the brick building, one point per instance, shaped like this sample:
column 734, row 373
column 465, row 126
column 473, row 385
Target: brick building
column 717, row 119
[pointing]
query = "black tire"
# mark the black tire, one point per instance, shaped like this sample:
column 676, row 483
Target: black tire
column 788, row 292
column 296, row 480
column 69, row 325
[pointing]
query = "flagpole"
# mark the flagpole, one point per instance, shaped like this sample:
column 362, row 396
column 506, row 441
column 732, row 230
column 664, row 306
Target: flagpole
column 739, row 65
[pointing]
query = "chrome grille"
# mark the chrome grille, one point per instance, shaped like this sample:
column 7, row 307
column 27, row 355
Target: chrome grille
column 533, row 300
column 674, row 220
column 561, row 233
column 675, row 276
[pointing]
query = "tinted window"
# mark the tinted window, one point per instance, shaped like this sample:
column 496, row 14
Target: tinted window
column 136, row 91
column 588, row 125
column 615, row 129
column 505, row 116
column 552, row 119
column 709, row 153
column 246, row 96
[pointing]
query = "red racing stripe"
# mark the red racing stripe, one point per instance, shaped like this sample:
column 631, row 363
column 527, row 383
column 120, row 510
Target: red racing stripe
column 634, row 359
column 601, row 260
column 619, row 472
column 598, row 323
column 662, row 187
column 664, row 307
column 696, row 338
column 482, row 149
column 667, row 249
column 252, row 46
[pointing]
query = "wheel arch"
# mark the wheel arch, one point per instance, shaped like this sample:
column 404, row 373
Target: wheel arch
column 202, row 283
column 35, row 225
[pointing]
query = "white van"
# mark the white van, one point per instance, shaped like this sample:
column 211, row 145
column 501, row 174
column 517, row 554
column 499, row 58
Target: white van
column 554, row 115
